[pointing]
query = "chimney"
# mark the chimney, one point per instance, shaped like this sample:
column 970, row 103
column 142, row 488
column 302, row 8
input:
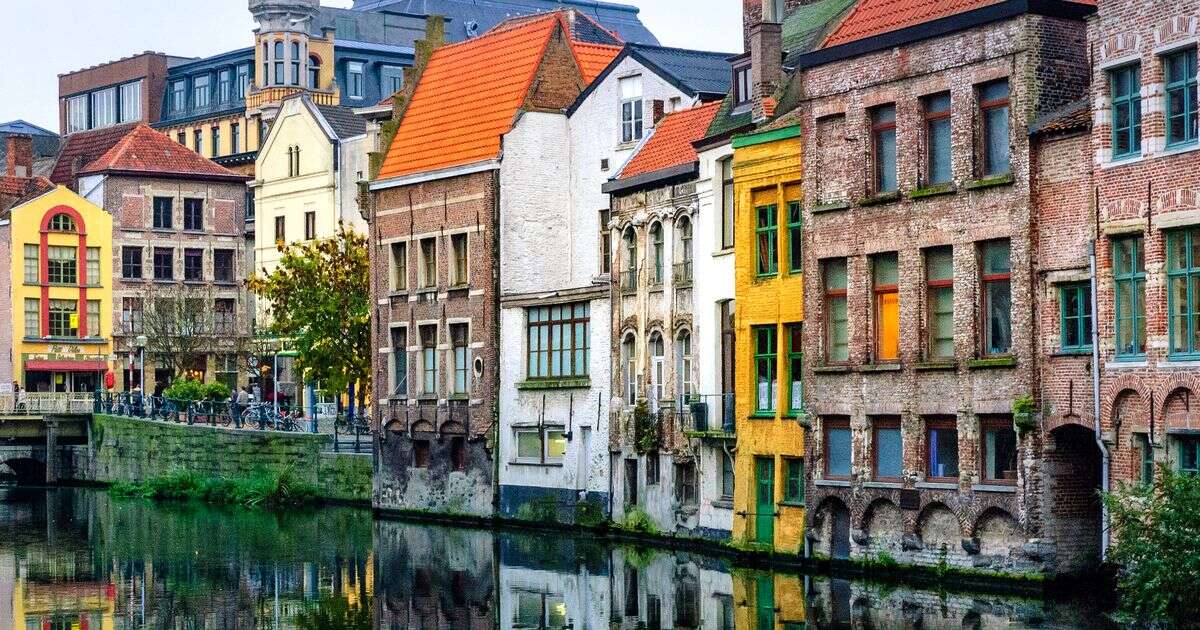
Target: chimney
column 766, row 57
column 19, row 151
column 659, row 109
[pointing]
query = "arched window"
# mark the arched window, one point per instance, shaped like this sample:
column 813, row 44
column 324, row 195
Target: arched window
column 279, row 80
column 630, row 273
column 656, row 243
column 683, row 368
column 62, row 223
column 629, row 369
column 657, row 369
column 314, row 72
column 295, row 63
column 683, row 251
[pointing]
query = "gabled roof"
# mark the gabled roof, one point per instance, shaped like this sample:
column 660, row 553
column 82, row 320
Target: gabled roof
column 344, row 122
column 669, row 148
column 17, row 190
column 873, row 17
column 80, row 149
column 146, row 151
column 469, row 95
column 25, row 128
column 700, row 74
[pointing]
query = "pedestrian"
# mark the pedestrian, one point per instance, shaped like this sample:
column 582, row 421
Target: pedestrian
column 234, row 410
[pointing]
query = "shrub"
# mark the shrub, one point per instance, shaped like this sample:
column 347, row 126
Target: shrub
column 263, row 489
column 186, row 389
column 638, row 521
column 216, row 391
column 1156, row 531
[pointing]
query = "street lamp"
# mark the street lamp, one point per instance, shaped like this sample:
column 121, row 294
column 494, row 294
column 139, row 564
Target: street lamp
column 140, row 343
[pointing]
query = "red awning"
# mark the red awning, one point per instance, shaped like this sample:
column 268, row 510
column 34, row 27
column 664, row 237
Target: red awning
column 46, row 365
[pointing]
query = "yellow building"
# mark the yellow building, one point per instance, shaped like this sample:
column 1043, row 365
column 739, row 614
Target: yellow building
column 769, row 505
column 772, row 600
column 59, row 282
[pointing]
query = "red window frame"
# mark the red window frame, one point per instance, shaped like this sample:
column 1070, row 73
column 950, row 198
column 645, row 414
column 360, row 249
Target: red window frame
column 932, row 116
column 829, row 296
column 878, row 291
column 884, row 422
column 938, row 424
column 878, row 127
column 984, row 281
column 931, row 287
column 984, row 106
column 995, row 422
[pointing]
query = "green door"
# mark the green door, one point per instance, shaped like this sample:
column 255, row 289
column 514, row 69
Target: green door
column 764, row 602
column 764, row 508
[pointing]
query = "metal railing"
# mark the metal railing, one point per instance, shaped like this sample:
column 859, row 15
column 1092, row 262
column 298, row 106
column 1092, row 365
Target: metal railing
column 629, row 281
column 683, row 274
column 708, row 413
column 42, row 403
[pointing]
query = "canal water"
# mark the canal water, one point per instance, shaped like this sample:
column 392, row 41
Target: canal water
column 80, row 559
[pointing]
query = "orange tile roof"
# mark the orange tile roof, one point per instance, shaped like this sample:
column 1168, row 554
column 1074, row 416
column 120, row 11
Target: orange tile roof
column 145, row 150
column 470, row 93
column 875, row 17
column 671, row 143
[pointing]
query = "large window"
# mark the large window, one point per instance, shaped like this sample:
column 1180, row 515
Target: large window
column 885, row 277
column 629, row 369
column 1126, row 88
column 64, row 318
column 163, row 211
column 178, row 96
column 428, row 263
column 201, row 90
column 193, row 265
column 658, row 369
column 77, row 113
column 683, row 253
column 837, row 447
column 93, row 266
column 33, row 318
column 399, row 260
column 1075, row 307
column 104, row 108
column 131, row 101
column 131, row 314
column 399, row 358
column 1129, row 280
column 1183, row 291
column 766, row 239
column 278, row 60
column 1189, row 455
column 886, row 452
column 93, row 318
column 354, row 79
column 993, row 108
column 164, row 263
column 795, row 365
column 314, row 73
column 224, row 316
column 629, row 275
column 243, row 81
column 429, row 366
column 883, row 147
column 557, row 339
column 295, row 63
column 546, row 445
column 235, row 138
column 941, row 440
column 223, row 265
column 1180, row 71
column 727, row 203
column 460, row 348
column 32, row 268
column 193, row 214
column 224, row 85
column 837, row 324
column 765, row 380
column 683, row 367
column 997, row 293
column 999, row 450
column 937, row 139
column 939, row 287
column 657, row 253
column 631, row 108
column 458, row 253
column 63, row 265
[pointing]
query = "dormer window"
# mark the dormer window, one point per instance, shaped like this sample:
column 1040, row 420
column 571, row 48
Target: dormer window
column 741, row 86
column 631, row 108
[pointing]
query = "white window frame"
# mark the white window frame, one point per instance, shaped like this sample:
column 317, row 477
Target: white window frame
column 633, row 124
column 104, row 108
column 354, row 88
column 131, row 101
column 543, row 434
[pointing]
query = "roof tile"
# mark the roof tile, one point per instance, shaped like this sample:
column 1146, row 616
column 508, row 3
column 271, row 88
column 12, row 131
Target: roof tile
column 671, row 143
column 144, row 150
column 874, row 17
column 80, row 149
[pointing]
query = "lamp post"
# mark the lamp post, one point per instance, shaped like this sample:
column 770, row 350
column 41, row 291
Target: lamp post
column 140, row 343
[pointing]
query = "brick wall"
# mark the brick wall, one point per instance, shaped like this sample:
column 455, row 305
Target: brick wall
column 152, row 67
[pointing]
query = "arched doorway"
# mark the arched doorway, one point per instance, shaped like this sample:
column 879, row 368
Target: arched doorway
column 1072, row 466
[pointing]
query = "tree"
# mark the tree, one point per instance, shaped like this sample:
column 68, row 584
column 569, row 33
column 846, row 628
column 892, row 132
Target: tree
column 319, row 301
column 184, row 322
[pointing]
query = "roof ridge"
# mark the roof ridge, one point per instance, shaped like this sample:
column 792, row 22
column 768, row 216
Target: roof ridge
column 160, row 148
column 723, row 55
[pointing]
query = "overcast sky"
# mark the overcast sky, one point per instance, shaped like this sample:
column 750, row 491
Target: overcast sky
column 44, row 39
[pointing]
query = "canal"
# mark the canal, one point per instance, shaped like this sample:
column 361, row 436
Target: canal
column 79, row 559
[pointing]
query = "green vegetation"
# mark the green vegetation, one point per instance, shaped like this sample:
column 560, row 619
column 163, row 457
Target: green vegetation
column 266, row 489
column 1156, row 530
column 186, row 389
column 335, row 612
column 647, row 434
column 639, row 522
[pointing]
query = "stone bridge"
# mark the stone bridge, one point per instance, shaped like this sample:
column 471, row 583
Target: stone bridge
column 39, row 433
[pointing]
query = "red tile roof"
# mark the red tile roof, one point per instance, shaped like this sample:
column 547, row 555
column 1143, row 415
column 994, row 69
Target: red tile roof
column 80, row 149
column 671, row 143
column 16, row 190
column 145, row 150
column 875, row 17
column 470, row 93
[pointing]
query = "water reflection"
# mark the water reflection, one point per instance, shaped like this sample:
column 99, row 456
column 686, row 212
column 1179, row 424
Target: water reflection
column 78, row 559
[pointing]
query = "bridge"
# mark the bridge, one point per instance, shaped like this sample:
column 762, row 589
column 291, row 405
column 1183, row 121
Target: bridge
column 36, row 428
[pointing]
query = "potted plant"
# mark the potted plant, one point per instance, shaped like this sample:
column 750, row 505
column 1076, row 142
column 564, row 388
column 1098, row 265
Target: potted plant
column 1024, row 410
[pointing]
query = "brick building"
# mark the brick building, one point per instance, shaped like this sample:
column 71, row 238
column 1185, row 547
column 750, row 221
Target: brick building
column 920, row 254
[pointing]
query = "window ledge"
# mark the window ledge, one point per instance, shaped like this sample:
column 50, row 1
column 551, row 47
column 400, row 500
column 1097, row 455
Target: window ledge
column 555, row 383
column 792, row 504
column 998, row 362
column 1180, row 364
column 883, row 485
column 936, row 485
column 459, row 287
column 163, row 230
column 74, row 341
column 1127, row 364
column 993, row 487
column 762, row 415
column 426, row 290
column 880, row 367
column 930, row 366
column 990, row 182
column 1124, row 160
column 1082, row 352
column 758, row 277
column 458, row 397
column 427, row 398
column 537, row 464
column 724, row 504
column 226, row 283
column 879, row 199
column 831, row 369
column 1183, row 147
column 933, row 191
column 832, row 206
column 833, row 483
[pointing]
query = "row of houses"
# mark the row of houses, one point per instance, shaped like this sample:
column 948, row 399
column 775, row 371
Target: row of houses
column 905, row 279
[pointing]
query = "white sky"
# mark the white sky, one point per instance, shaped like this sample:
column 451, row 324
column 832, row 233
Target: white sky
column 43, row 39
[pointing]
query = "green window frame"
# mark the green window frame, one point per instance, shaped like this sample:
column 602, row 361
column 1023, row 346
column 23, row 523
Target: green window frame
column 1125, row 84
column 765, row 377
column 1179, row 71
column 795, row 231
column 795, row 363
column 766, row 238
column 1183, row 294
column 1146, row 459
column 1129, row 284
column 793, row 480
column 1075, row 317
column 1189, row 456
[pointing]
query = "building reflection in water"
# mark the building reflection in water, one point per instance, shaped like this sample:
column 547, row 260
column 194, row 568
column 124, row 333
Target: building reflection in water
column 79, row 560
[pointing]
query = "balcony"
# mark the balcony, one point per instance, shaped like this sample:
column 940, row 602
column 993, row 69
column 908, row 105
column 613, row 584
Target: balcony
column 670, row 424
column 629, row 281
column 709, row 416
column 683, row 274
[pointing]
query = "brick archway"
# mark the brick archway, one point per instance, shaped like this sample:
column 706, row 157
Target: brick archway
column 1130, row 383
column 1188, row 384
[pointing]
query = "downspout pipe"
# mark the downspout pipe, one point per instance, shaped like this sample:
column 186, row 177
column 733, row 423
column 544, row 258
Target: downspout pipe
column 1104, row 454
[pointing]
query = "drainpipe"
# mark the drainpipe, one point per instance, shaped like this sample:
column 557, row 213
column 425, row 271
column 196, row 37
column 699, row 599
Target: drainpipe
column 1104, row 455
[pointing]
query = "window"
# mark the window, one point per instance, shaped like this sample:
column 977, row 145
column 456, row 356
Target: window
column 104, row 108
column 726, row 476
column 224, row 316
column 223, row 265
column 541, row 445
column 631, row 108
column 295, row 62
column 198, row 139
column 687, row 603
column 164, row 263
column 429, row 367
column 310, row 225
column 939, row 297
column 131, row 314
column 742, row 92
column 280, row 229
column 93, row 318
column 837, row 323
column 64, row 318
column 200, row 91
column 683, row 268
column 62, row 223
column 795, row 238
column 999, row 450
column 293, row 161
column 179, row 96
column 235, row 138
column 193, row 265
column 224, row 85
column 32, row 268
column 1183, row 291
column 795, row 367
column 605, row 242
column 314, row 72
column 685, row 483
column 941, row 439
column 653, row 466
column 1144, row 455
column 399, row 362
column 278, row 59
column 63, row 265
column 629, row 276
column 392, row 79
column 629, row 363
column 420, row 453
column 458, row 454
column 883, row 147
column 33, row 317
column 766, row 238
column 227, row 370
column 458, row 249
column 266, row 65
column 656, row 250
column 937, row 139
column 997, row 325
column 793, row 480
column 837, row 447
column 1126, row 87
column 215, row 145
column 164, row 209
column 886, row 451
column 885, row 276
column 683, row 368
column 993, row 108
column 765, row 354
column 354, row 79
column 77, row 113
column 1180, row 74
column 399, row 273
column 459, row 340
column 1129, row 280
column 193, row 214
column 243, row 81
column 657, row 370
column 1075, row 306
column 131, row 101
column 93, row 266
column 428, row 263
column 557, row 338
column 727, row 203
column 181, row 137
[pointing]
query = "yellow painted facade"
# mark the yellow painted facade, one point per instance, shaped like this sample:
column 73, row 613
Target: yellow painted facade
column 86, row 234
column 247, row 135
column 771, row 600
column 767, row 174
